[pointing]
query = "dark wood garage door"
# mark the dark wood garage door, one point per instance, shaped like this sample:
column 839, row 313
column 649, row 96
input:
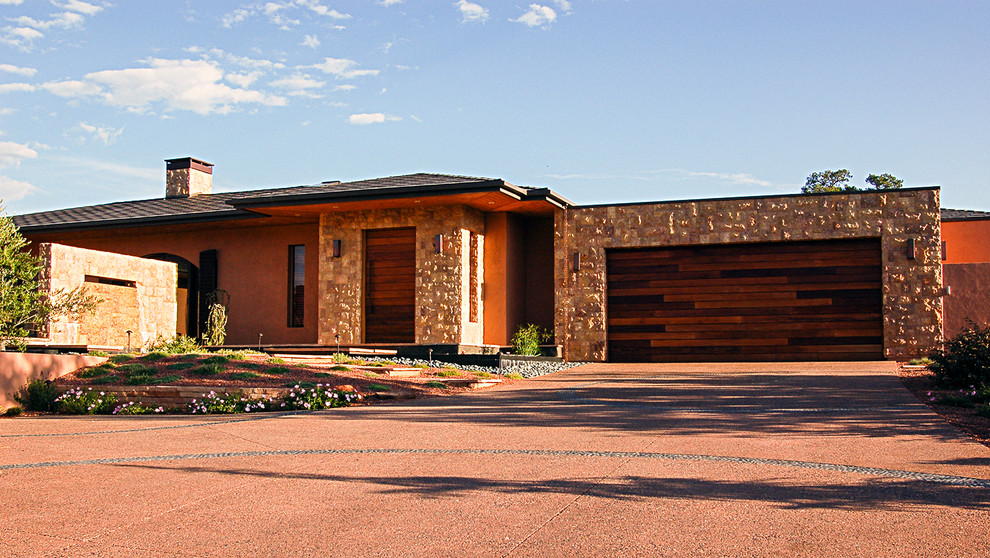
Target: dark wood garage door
column 390, row 286
column 746, row 302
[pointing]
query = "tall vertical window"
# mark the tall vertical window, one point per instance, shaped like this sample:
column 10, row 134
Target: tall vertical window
column 297, row 281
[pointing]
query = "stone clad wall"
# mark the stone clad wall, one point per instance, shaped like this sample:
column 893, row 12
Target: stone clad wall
column 912, row 305
column 148, row 308
column 442, row 280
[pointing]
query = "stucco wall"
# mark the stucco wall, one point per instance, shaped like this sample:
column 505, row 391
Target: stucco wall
column 970, row 298
column 912, row 306
column 966, row 241
column 17, row 369
column 442, row 280
column 253, row 268
column 146, row 306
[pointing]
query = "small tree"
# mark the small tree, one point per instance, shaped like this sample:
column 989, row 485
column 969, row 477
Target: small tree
column 215, row 330
column 884, row 181
column 23, row 304
column 838, row 181
column 828, row 181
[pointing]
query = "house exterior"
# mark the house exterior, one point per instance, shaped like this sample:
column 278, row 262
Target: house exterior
column 453, row 260
column 966, row 268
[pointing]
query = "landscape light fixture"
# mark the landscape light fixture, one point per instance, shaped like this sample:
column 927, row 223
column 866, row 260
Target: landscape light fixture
column 438, row 244
column 911, row 249
column 336, row 248
column 129, row 332
column 577, row 261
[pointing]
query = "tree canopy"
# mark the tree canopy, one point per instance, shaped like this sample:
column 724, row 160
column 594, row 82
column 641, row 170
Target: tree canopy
column 838, row 181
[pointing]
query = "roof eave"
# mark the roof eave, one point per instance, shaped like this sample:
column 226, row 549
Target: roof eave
column 134, row 222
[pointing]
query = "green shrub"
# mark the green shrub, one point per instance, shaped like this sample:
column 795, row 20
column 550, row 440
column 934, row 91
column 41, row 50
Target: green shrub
column 244, row 376
column 436, row 384
column 12, row 411
column 340, row 368
column 388, row 363
column 215, row 359
column 98, row 353
column 447, row 372
column 38, row 395
column 298, row 385
column 213, row 402
column 132, row 408
column 376, row 364
column 180, row 344
column 277, row 370
column 207, row 370
column 237, row 355
column 144, row 380
column 527, row 338
column 341, row 358
column 123, row 357
column 96, row 371
column 514, row 376
column 322, row 374
column 275, row 360
column 315, row 398
column 421, row 365
column 154, row 356
column 924, row 361
column 965, row 359
column 379, row 387
column 86, row 402
column 137, row 370
column 102, row 380
column 983, row 410
column 482, row 375
column 180, row 365
column 249, row 365
column 953, row 400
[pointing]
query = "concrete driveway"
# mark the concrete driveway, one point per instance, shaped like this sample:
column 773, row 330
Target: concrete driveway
column 638, row 460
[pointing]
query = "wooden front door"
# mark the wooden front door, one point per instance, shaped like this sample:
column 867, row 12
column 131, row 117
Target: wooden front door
column 390, row 286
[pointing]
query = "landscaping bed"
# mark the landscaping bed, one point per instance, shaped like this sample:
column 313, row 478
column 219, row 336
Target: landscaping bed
column 965, row 408
column 242, row 381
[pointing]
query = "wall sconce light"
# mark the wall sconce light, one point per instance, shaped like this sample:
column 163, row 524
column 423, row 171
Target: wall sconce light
column 336, row 248
column 911, row 249
column 577, row 261
column 438, row 244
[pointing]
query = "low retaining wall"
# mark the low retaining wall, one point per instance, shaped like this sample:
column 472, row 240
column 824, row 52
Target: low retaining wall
column 17, row 369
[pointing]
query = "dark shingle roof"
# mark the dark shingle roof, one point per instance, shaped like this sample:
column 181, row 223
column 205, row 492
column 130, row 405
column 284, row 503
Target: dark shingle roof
column 225, row 205
column 963, row 214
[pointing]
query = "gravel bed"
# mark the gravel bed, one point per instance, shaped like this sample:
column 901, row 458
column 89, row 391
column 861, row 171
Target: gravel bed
column 526, row 369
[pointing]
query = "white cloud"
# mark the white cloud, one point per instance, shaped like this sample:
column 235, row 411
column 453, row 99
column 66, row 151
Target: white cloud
column 16, row 87
column 71, row 88
column 242, row 80
column 7, row 110
column 81, row 7
column 733, row 178
column 193, row 85
column 345, row 87
column 471, row 12
column 564, row 5
column 12, row 190
column 106, row 135
column 277, row 12
column 11, row 154
column 19, row 70
column 312, row 41
column 20, row 37
column 299, row 85
column 537, row 16
column 387, row 3
column 11, row 2
column 341, row 68
column 372, row 118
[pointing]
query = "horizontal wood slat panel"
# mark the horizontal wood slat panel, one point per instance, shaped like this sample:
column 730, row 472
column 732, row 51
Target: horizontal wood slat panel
column 746, row 302
column 390, row 286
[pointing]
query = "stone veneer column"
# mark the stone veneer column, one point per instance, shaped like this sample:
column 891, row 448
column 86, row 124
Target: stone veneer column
column 912, row 304
column 442, row 301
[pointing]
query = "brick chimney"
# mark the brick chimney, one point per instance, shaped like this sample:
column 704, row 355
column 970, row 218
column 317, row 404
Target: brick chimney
column 187, row 177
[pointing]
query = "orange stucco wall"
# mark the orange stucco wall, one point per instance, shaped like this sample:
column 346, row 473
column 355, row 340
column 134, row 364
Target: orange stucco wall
column 17, row 369
column 966, row 241
column 253, row 269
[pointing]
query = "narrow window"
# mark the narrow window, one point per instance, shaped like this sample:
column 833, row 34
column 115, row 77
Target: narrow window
column 297, row 279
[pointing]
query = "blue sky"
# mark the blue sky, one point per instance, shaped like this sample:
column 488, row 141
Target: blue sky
column 603, row 101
